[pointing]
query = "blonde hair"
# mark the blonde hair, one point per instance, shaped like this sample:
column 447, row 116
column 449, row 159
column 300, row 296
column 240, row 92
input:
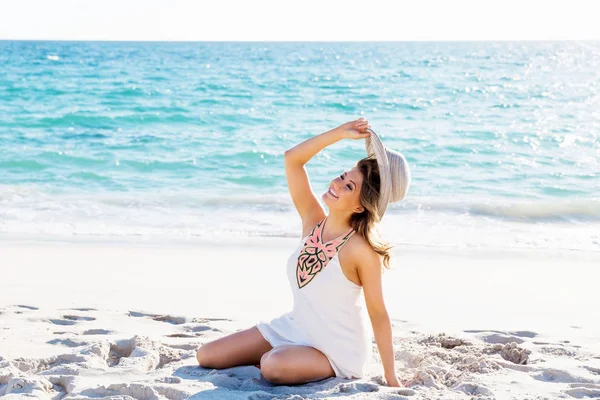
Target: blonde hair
column 365, row 222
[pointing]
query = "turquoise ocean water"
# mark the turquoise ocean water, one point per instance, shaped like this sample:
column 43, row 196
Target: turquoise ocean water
column 185, row 141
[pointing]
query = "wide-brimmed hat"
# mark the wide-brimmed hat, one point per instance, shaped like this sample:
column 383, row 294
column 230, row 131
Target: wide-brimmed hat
column 393, row 172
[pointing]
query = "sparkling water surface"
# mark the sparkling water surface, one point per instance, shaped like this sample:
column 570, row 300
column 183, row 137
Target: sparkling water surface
column 177, row 141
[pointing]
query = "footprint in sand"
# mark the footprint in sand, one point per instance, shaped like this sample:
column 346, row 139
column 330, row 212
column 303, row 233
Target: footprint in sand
column 482, row 331
column 30, row 308
column 404, row 392
column 156, row 317
column 473, row 389
column 593, row 370
column 201, row 328
column 194, row 331
column 28, row 387
column 140, row 352
column 98, row 332
column 78, row 318
column 69, row 320
column 527, row 334
column 261, row 396
column 499, row 338
column 207, row 320
column 134, row 391
column 583, row 390
column 68, row 342
column 181, row 335
column 358, row 387
column 64, row 322
column 184, row 346
column 560, row 376
column 557, row 351
column 20, row 308
column 168, row 379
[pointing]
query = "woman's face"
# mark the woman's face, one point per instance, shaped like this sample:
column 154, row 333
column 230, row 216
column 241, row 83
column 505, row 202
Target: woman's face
column 344, row 192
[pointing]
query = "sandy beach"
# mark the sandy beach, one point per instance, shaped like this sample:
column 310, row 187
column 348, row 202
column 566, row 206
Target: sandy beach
column 145, row 202
column 82, row 320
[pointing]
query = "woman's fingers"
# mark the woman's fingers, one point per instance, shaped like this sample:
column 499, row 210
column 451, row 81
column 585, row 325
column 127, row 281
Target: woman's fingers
column 361, row 125
column 364, row 126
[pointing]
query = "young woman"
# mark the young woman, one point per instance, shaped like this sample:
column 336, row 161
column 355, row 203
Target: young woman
column 335, row 273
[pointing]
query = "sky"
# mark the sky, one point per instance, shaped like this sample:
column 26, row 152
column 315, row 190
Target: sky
column 298, row 20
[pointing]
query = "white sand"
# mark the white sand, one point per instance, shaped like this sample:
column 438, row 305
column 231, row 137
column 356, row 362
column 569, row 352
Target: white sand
column 82, row 321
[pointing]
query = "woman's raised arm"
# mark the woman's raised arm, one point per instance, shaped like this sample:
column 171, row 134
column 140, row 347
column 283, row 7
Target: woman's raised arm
column 304, row 198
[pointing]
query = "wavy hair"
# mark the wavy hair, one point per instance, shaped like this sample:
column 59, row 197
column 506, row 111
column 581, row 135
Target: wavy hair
column 365, row 222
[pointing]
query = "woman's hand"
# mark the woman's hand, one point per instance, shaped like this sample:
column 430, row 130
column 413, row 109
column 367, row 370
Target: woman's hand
column 356, row 129
column 392, row 380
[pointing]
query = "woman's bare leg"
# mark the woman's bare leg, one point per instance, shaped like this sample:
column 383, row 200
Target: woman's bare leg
column 292, row 365
column 241, row 348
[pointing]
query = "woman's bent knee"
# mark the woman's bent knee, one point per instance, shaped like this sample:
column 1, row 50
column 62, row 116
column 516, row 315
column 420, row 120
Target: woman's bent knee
column 205, row 357
column 273, row 368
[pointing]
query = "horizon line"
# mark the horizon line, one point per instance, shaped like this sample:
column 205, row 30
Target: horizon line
column 299, row 41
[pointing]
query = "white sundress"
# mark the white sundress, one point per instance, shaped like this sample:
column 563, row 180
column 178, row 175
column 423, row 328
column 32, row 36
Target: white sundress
column 329, row 312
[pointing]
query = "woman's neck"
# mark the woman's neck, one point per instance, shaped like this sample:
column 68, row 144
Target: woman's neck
column 336, row 225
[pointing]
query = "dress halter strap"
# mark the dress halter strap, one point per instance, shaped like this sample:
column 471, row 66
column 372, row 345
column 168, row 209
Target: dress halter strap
column 316, row 254
column 343, row 237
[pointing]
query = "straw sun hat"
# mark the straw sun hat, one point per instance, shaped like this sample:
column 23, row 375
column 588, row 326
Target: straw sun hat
column 393, row 172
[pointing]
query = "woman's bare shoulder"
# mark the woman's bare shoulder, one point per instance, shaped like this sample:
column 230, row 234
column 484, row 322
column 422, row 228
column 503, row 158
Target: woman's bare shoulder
column 360, row 251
